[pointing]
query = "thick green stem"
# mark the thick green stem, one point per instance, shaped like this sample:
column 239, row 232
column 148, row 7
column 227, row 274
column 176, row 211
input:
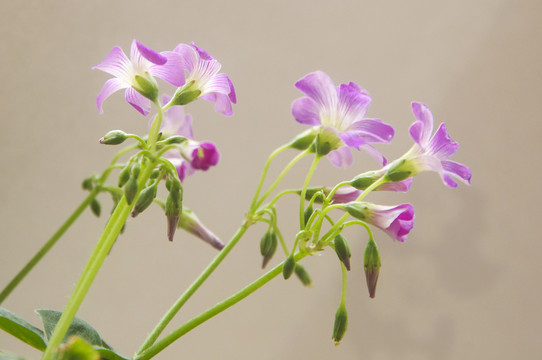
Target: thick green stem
column 192, row 289
column 47, row 246
column 213, row 311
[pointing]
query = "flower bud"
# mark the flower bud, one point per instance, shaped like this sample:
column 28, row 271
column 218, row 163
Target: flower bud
column 174, row 208
column 303, row 275
column 268, row 245
column 87, row 184
column 147, row 87
column 136, row 169
column 190, row 222
column 343, row 250
column 130, row 190
column 307, row 214
column 144, row 200
column 363, row 181
column 340, row 325
column 303, row 140
column 114, row 137
column 95, row 207
column 326, row 141
column 311, row 191
column 288, row 267
column 371, row 262
column 176, row 139
column 124, row 176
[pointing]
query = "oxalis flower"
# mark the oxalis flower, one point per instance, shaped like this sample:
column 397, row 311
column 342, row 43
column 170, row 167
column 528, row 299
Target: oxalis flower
column 203, row 76
column 429, row 153
column 193, row 155
column 338, row 113
column 396, row 221
column 136, row 74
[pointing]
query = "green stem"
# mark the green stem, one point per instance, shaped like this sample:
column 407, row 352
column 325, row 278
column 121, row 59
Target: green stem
column 48, row 245
column 304, row 192
column 192, row 289
column 215, row 310
column 343, row 294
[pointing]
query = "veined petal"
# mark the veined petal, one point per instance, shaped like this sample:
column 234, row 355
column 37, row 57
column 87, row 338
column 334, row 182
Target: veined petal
column 373, row 130
column 232, row 95
column 138, row 101
column 172, row 71
column 151, row 55
column 217, row 84
column 305, row 111
column 116, row 63
column 202, row 53
column 460, row 171
column 176, row 122
column 422, row 129
column 441, row 144
column 222, row 103
column 319, row 87
column 352, row 106
column 400, row 186
column 189, row 55
column 110, row 86
column 341, row 157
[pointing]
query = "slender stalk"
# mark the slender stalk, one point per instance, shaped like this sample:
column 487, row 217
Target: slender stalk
column 47, row 246
column 192, row 289
column 304, row 192
column 213, row 311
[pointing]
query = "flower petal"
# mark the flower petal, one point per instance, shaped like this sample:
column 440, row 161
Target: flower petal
column 110, row 86
column 138, row 101
column 373, row 130
column 305, row 111
column 319, row 87
column 172, row 71
column 202, row 53
column 116, row 63
column 341, row 157
column 422, row 129
column 222, row 103
column 353, row 104
column 205, row 156
column 375, row 154
column 232, row 95
column 217, row 84
column 151, row 55
column 441, row 144
column 460, row 171
column 189, row 55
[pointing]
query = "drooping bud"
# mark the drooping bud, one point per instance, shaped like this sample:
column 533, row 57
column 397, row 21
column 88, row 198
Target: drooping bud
column 114, row 137
column 130, row 189
column 326, row 141
column 303, row 140
column 288, row 267
column 371, row 262
column 311, row 191
column 144, row 200
column 268, row 245
column 88, row 184
column 343, row 250
column 190, row 222
column 155, row 174
column 303, row 275
column 174, row 208
column 124, row 175
column 95, row 207
column 147, row 87
column 340, row 325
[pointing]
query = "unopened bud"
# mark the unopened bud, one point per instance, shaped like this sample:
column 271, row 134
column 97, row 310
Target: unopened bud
column 147, row 87
column 130, row 190
column 155, row 174
column 363, row 181
column 174, row 208
column 303, row 140
column 303, row 275
column 307, row 214
column 343, row 250
column 288, row 267
column 95, row 207
column 268, row 245
column 124, row 176
column 144, row 200
column 340, row 325
column 371, row 262
column 176, row 139
column 87, row 184
column 190, row 222
column 311, row 192
column 77, row 348
column 357, row 209
column 114, row 137
column 136, row 169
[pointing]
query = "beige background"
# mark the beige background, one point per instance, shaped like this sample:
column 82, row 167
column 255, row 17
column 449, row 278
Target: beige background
column 466, row 285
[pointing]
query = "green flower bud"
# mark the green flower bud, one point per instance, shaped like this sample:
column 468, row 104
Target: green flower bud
column 130, row 189
column 155, row 174
column 307, row 214
column 136, row 169
column 176, row 139
column 144, row 200
column 371, row 262
column 95, row 207
column 363, row 181
column 288, row 267
column 303, row 275
column 174, row 209
column 268, row 245
column 311, row 191
column 303, row 140
column 147, row 87
column 400, row 170
column 114, row 137
column 340, row 325
column 343, row 250
column 326, row 141
column 124, row 176
column 88, row 184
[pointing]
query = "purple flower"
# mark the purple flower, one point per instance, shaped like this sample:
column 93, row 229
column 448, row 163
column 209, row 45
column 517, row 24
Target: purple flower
column 194, row 155
column 396, row 221
column 349, row 193
column 203, row 70
column 340, row 111
column 431, row 153
column 136, row 74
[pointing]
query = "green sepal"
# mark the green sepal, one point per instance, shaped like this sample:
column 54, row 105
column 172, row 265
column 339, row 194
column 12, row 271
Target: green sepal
column 341, row 324
column 268, row 246
column 303, row 275
column 78, row 327
column 22, row 330
column 173, row 208
column 95, row 207
column 307, row 214
column 176, row 139
column 312, row 191
column 147, row 88
column 114, row 137
column 343, row 250
column 399, row 171
column 363, row 181
column 357, row 209
column 186, row 97
column 326, row 141
column 303, row 140
column 288, row 267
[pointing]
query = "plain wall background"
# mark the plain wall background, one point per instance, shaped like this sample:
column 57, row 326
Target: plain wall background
column 466, row 285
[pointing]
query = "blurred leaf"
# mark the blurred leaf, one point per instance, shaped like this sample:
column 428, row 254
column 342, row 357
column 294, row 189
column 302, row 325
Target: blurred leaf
column 108, row 354
column 21, row 329
column 77, row 349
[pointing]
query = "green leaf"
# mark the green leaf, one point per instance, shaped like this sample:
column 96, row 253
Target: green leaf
column 108, row 354
column 78, row 327
column 78, row 349
column 22, row 330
